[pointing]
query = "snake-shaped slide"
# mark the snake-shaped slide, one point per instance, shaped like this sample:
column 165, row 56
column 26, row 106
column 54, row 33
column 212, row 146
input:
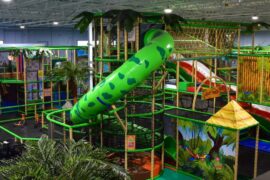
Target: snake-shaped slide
column 158, row 46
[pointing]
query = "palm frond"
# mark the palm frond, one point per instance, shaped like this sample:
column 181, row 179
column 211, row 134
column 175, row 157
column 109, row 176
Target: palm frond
column 125, row 17
column 85, row 19
column 47, row 159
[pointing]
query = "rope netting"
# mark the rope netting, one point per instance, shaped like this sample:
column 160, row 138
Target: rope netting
column 204, row 39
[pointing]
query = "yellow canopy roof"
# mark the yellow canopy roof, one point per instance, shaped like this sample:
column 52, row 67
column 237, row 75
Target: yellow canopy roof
column 233, row 116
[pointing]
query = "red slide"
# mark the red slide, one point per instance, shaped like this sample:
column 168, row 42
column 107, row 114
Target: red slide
column 200, row 77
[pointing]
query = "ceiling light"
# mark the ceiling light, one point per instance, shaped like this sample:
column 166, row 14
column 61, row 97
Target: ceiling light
column 255, row 17
column 55, row 23
column 167, row 10
column 6, row 1
column 22, row 27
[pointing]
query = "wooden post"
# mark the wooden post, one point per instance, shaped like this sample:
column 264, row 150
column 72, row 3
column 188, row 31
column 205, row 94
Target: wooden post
column 238, row 59
column 101, row 49
column 25, row 85
column 101, row 131
column 261, row 80
column 253, row 42
column 74, row 56
column 42, row 119
column 51, row 84
column 126, row 44
column 177, row 105
column 64, row 130
column 59, row 94
column 124, row 126
column 70, row 134
column 67, row 90
column 256, row 151
column 137, row 35
column 236, row 155
column 17, row 68
column 153, row 126
column 118, row 41
column 42, row 83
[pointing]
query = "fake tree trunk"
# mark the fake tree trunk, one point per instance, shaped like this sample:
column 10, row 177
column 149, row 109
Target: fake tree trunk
column 218, row 142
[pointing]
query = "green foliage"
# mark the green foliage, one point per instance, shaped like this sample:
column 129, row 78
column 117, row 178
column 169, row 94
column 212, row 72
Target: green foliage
column 171, row 20
column 47, row 159
column 85, row 19
column 32, row 54
column 125, row 17
column 256, row 26
column 68, row 71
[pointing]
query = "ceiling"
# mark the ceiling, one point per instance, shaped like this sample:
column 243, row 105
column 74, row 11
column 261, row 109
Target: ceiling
column 41, row 13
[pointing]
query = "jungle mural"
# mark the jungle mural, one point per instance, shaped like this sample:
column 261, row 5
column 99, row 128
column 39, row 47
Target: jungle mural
column 206, row 151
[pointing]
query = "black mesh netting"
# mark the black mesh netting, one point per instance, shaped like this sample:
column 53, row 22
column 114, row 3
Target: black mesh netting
column 189, row 114
column 141, row 126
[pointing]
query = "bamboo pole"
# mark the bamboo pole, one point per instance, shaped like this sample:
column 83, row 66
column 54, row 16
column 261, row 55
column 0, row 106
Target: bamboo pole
column 101, row 49
column 137, row 35
column 70, row 134
column 126, row 44
column 42, row 120
column 64, row 131
column 51, row 84
column 17, row 68
column 177, row 123
column 153, row 125
column 261, row 80
column 42, row 83
column 59, row 94
column 25, row 85
column 101, row 131
column 124, row 126
column 67, row 90
column 238, row 58
column 236, row 155
column 118, row 41
column 256, row 151
column 66, row 52
column 74, row 56
column 253, row 42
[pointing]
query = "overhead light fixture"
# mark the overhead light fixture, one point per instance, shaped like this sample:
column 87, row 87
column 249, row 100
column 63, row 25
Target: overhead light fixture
column 167, row 10
column 22, row 27
column 55, row 23
column 255, row 18
column 6, row 1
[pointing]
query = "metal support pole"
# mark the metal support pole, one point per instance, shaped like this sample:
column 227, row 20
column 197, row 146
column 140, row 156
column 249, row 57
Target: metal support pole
column 90, row 55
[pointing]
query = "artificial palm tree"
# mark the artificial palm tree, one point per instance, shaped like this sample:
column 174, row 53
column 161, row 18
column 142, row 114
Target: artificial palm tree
column 127, row 18
column 73, row 74
column 48, row 159
column 251, row 28
column 171, row 20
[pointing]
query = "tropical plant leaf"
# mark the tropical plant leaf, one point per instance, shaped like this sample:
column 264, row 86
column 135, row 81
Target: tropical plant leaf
column 85, row 19
column 48, row 159
column 256, row 26
column 174, row 21
column 125, row 17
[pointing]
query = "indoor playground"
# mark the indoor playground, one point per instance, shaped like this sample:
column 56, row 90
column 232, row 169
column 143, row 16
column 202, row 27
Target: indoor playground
column 116, row 90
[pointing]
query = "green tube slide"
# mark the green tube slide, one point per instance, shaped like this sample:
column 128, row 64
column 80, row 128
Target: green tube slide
column 158, row 46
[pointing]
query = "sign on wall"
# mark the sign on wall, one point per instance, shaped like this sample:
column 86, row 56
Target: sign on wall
column 210, row 93
column 131, row 142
